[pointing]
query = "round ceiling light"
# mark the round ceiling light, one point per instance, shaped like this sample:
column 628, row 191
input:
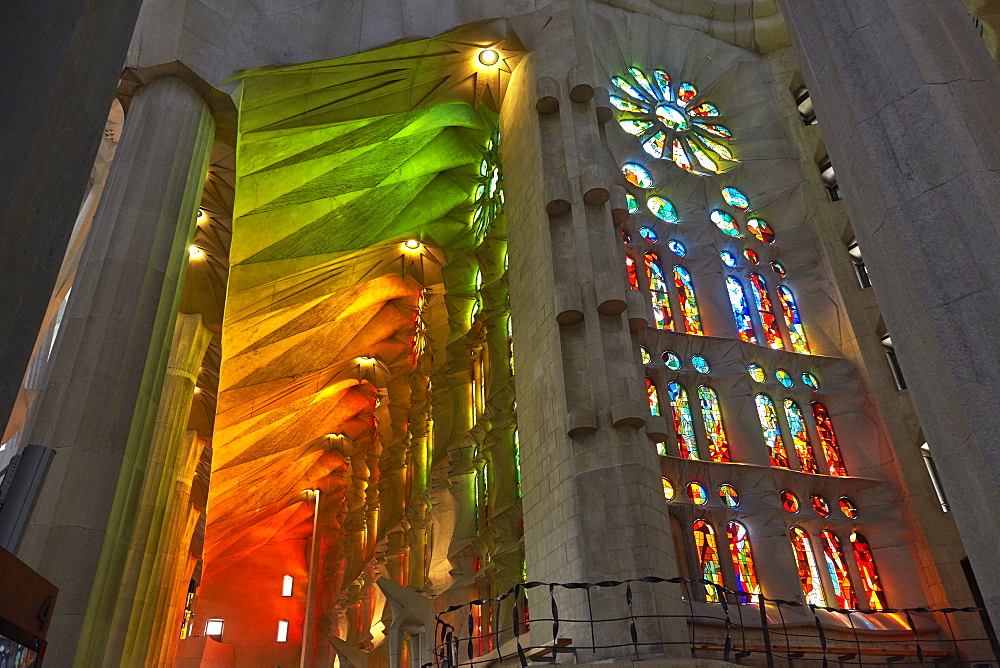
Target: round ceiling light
column 489, row 57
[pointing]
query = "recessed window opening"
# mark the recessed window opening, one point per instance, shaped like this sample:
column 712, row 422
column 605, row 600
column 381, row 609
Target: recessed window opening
column 283, row 630
column 804, row 104
column 213, row 627
column 859, row 264
column 925, row 450
column 890, row 356
column 829, row 178
column 286, row 585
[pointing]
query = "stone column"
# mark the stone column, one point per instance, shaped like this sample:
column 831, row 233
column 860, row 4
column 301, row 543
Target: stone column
column 907, row 97
column 98, row 409
column 61, row 66
column 153, row 545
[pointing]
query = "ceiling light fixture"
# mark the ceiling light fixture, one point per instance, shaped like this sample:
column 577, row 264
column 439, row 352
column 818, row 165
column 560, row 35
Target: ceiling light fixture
column 489, row 57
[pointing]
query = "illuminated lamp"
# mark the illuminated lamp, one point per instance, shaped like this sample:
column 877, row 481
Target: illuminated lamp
column 202, row 215
column 366, row 360
column 412, row 245
column 195, row 252
column 489, row 57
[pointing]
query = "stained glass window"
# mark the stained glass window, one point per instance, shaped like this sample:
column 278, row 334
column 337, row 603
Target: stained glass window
column 730, row 497
column 717, row 130
column 663, row 81
column 874, row 594
column 718, row 445
column 686, row 92
column 700, row 364
column 637, row 175
column 668, row 489
column 820, row 505
column 644, row 354
column 848, row 508
column 789, row 501
column 800, row 437
column 683, row 424
column 635, row 127
column 689, row 305
column 662, row 209
column 716, row 147
column 751, row 256
column 702, row 157
column 772, row 432
column 828, row 439
column 768, row 320
column 633, row 205
column 680, row 156
column 661, row 449
column 805, row 561
column 641, row 79
column 725, row 222
column 728, row 259
column 708, row 559
column 783, row 377
column 677, row 248
column 810, row 380
column 705, row 109
column 761, row 230
column 658, row 293
column 741, row 312
column 628, row 88
column 778, row 268
column 697, row 493
column 796, row 331
column 736, row 199
column 672, row 360
column 622, row 104
column 648, row 233
column 654, row 401
column 756, row 373
column 633, row 278
column 842, row 588
column 739, row 548
column 655, row 144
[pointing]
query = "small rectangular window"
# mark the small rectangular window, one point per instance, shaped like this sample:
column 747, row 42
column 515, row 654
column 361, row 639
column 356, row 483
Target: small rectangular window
column 925, row 450
column 283, row 630
column 805, row 106
column 859, row 264
column 286, row 585
column 213, row 627
column 890, row 356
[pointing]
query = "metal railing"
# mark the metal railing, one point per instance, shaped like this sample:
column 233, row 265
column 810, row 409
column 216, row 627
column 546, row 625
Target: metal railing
column 739, row 628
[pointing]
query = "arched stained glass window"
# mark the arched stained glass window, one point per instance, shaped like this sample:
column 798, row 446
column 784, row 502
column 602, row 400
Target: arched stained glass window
column 828, row 439
column 654, row 401
column 874, row 594
column 805, row 562
column 718, row 445
column 633, row 279
column 683, row 424
column 772, row 335
column 658, row 293
column 772, row 432
column 739, row 548
column 689, row 305
column 842, row 588
column 708, row 558
column 796, row 331
column 741, row 312
column 800, row 437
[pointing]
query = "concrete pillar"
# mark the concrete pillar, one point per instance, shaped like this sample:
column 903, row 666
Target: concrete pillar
column 906, row 96
column 60, row 68
column 98, row 409
column 172, row 453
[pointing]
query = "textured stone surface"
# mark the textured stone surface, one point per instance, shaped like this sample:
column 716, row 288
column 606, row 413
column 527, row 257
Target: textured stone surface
column 98, row 409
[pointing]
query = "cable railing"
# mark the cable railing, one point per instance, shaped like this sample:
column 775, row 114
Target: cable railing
column 738, row 628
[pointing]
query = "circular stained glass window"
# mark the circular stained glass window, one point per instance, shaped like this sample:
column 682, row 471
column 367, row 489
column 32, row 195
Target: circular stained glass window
column 637, row 175
column 662, row 209
column 672, row 361
column 700, row 364
column 756, row 373
column 783, row 377
column 789, row 502
column 668, row 489
column 848, row 508
column 633, row 205
column 677, row 247
column 648, row 234
column 725, row 222
column 697, row 493
column 729, row 496
column 820, row 505
column 728, row 259
column 779, row 268
column 644, row 354
column 626, row 237
column 735, row 199
column 750, row 256
column 810, row 380
column 761, row 230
